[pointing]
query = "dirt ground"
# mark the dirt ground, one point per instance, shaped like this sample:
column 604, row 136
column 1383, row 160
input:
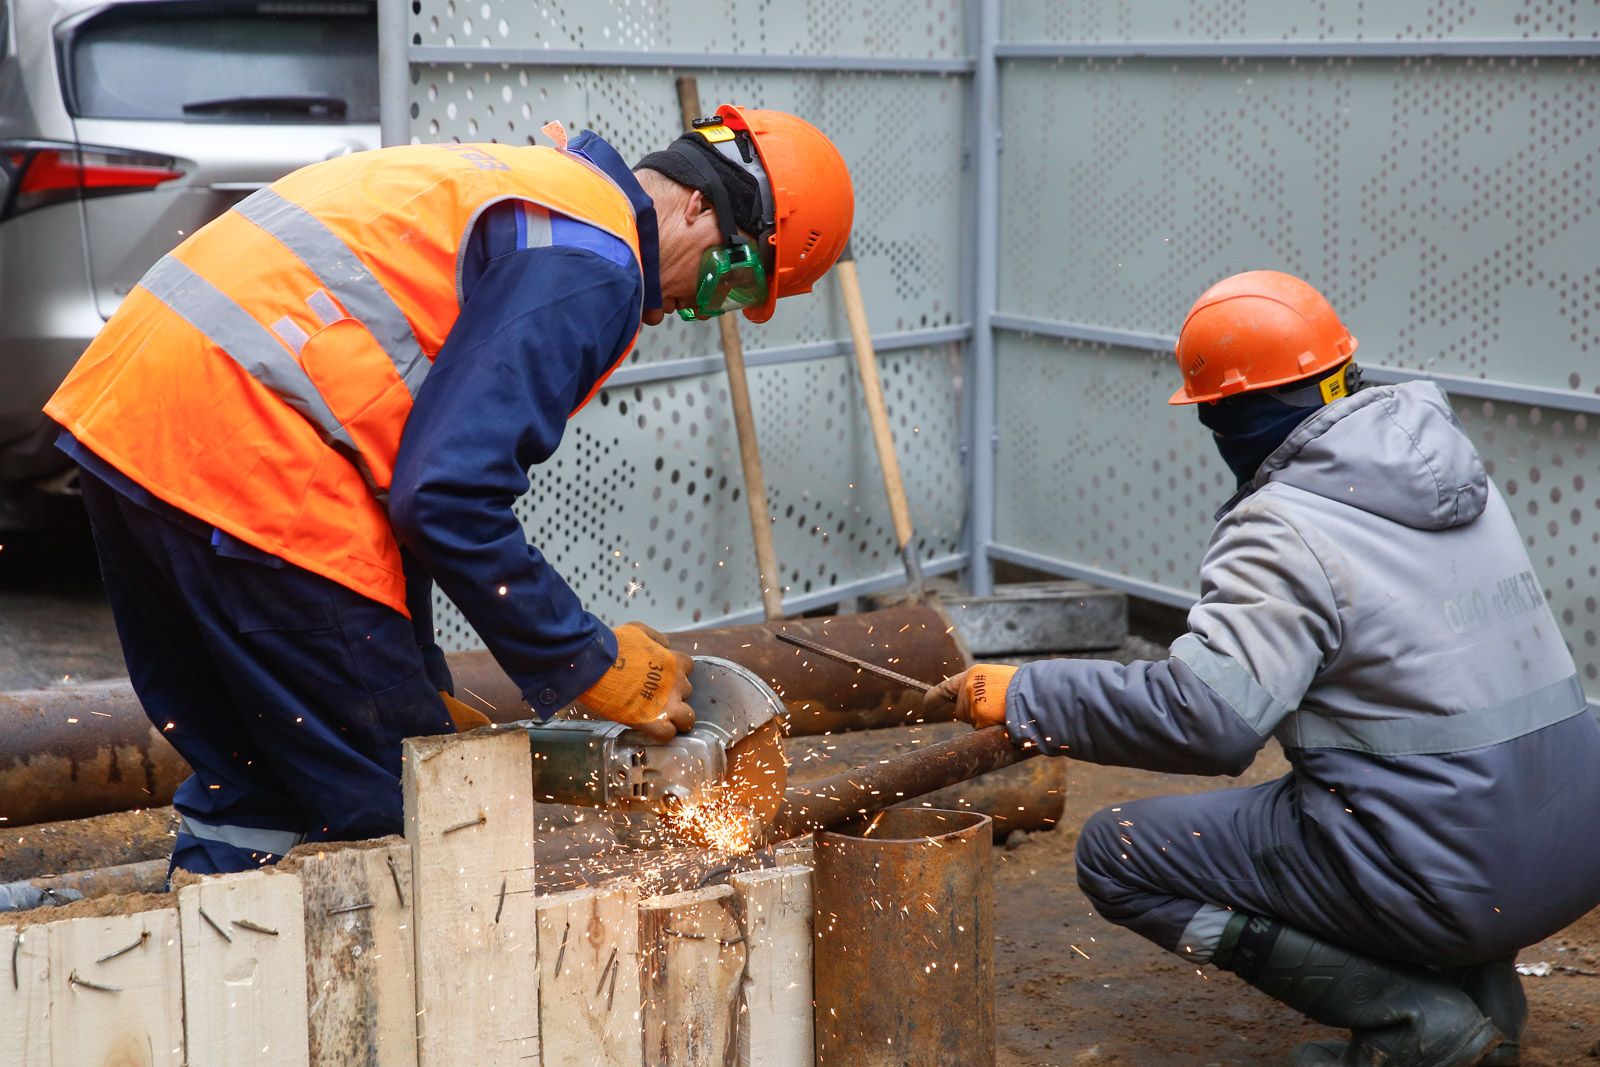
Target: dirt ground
column 1125, row 1003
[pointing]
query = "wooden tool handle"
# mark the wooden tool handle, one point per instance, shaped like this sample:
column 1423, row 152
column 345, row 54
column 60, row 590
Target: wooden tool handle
column 744, row 422
column 872, row 388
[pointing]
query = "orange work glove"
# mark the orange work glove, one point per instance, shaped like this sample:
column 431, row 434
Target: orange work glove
column 646, row 687
column 979, row 693
column 465, row 717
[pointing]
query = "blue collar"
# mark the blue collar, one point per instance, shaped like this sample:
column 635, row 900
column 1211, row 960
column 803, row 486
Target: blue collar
column 589, row 145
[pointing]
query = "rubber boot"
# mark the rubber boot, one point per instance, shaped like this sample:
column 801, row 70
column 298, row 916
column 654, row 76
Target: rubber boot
column 1398, row 1016
column 1496, row 989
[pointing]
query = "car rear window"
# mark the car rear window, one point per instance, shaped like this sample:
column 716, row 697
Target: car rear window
column 271, row 61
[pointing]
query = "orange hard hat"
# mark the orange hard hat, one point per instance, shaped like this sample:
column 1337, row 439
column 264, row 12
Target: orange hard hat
column 812, row 201
column 1257, row 330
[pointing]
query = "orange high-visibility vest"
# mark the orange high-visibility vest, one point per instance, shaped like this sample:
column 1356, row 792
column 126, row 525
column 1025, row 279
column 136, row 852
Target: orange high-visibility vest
column 260, row 375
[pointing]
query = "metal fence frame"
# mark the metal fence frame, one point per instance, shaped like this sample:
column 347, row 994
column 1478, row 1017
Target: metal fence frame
column 984, row 319
column 399, row 56
column 989, row 319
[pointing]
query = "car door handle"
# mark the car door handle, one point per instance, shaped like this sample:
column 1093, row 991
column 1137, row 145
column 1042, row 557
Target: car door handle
column 237, row 187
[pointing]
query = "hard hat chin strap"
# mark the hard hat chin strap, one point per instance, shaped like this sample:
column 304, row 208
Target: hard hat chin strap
column 713, row 187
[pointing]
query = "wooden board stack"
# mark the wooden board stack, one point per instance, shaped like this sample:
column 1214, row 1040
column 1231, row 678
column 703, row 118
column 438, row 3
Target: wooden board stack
column 425, row 951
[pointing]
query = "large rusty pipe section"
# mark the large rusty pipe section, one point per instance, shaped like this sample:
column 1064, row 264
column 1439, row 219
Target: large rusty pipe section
column 87, row 750
column 1030, row 795
column 819, row 805
column 903, row 960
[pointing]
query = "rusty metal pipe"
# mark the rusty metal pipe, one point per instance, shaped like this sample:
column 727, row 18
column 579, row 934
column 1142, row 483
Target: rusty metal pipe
column 146, row 876
column 821, row 696
column 87, row 750
column 1030, row 795
column 873, row 788
column 903, row 960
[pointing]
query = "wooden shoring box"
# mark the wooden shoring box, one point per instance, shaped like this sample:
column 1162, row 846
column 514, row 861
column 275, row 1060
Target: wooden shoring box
column 469, row 822
column 427, row 949
column 360, row 955
column 98, row 982
column 244, row 969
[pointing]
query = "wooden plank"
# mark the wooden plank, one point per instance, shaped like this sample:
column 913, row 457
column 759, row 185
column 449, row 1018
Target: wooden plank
column 360, row 978
column 775, row 1022
column 116, row 990
column 691, row 960
column 589, row 977
column 794, row 853
column 244, row 969
column 25, row 995
column 469, row 819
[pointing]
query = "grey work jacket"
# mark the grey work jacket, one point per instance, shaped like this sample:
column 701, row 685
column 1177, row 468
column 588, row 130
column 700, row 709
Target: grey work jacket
column 1368, row 602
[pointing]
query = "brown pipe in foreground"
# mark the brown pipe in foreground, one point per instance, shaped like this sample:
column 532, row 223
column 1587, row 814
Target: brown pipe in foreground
column 865, row 790
column 903, row 961
column 76, row 752
column 1030, row 795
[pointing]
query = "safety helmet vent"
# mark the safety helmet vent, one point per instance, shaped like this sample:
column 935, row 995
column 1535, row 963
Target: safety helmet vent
column 811, row 242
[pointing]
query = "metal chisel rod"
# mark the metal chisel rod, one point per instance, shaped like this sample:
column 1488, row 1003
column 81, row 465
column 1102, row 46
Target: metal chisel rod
column 845, row 657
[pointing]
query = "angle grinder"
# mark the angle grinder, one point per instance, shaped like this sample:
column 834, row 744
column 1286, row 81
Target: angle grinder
column 732, row 754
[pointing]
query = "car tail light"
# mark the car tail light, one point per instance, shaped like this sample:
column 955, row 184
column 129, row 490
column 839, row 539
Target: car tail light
column 37, row 173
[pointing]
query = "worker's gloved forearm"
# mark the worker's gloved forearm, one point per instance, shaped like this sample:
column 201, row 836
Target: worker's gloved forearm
column 647, row 686
column 979, row 694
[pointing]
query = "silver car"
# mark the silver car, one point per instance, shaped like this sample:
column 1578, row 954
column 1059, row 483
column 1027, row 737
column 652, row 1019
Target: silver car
column 123, row 127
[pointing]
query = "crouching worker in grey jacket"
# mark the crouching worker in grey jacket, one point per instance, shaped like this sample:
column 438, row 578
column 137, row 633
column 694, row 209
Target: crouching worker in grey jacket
column 1365, row 599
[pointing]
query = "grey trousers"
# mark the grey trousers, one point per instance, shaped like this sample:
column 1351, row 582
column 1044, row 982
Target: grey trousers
column 1173, row 869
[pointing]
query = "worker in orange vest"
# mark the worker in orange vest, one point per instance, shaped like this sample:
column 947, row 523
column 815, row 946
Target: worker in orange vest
column 326, row 400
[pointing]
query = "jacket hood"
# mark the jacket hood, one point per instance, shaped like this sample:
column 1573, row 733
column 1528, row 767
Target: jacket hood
column 1396, row 451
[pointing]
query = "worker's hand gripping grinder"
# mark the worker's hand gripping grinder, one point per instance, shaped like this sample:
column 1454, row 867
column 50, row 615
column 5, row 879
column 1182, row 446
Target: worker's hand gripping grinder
column 733, row 755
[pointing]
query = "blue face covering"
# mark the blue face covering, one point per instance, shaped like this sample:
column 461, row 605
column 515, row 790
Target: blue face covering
column 1248, row 427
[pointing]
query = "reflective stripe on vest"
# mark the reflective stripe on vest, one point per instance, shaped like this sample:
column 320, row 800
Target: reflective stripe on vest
column 289, row 338
column 343, row 273
column 252, row 346
column 336, row 265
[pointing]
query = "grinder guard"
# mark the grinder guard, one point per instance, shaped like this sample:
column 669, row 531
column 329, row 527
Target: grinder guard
column 622, row 771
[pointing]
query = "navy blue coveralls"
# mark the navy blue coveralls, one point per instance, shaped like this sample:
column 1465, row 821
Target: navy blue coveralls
column 289, row 694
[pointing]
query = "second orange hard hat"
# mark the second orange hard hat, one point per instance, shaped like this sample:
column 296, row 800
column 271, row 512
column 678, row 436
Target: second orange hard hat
column 1257, row 330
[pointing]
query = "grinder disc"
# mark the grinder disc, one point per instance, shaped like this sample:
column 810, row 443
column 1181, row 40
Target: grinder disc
column 758, row 773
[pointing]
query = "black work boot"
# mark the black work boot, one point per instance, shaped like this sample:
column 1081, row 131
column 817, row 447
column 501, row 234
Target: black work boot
column 1398, row 1016
column 1496, row 989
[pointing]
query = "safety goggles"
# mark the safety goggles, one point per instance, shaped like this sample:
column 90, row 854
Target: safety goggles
column 731, row 277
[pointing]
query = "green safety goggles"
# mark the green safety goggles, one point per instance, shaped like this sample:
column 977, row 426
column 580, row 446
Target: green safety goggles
column 731, row 277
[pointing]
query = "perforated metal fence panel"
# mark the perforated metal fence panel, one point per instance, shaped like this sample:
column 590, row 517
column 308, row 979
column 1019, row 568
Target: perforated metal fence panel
column 1267, row 20
column 1437, row 185
column 642, row 507
column 900, row 28
column 1429, row 163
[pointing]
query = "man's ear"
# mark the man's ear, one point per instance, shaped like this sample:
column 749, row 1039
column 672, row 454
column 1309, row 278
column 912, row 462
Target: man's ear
column 697, row 206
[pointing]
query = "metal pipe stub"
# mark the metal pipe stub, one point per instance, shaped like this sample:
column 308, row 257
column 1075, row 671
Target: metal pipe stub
column 904, row 950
